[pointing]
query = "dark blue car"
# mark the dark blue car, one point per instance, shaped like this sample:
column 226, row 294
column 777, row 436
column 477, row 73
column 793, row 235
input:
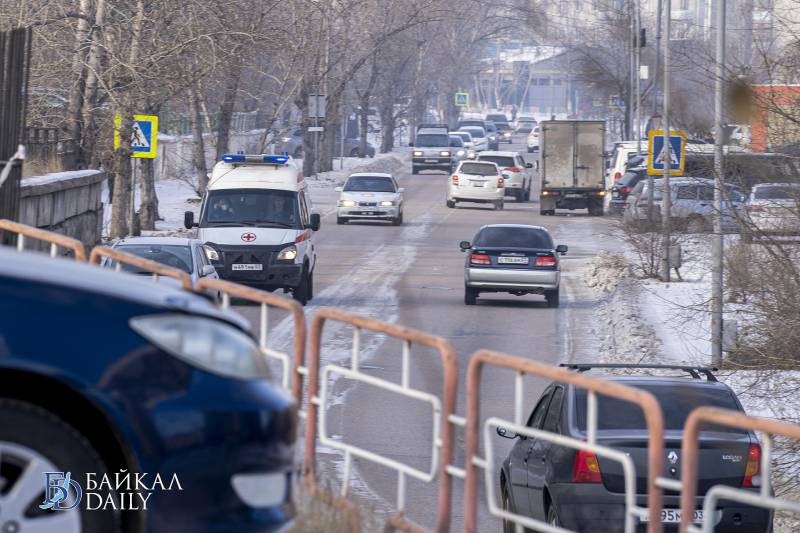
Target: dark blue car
column 126, row 405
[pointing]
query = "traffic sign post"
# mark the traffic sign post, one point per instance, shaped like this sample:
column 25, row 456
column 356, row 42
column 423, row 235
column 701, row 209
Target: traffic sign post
column 144, row 135
column 657, row 153
column 462, row 99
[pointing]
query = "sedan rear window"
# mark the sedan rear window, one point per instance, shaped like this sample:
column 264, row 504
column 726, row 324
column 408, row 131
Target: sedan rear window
column 475, row 132
column 478, row 169
column 513, row 237
column 174, row 256
column 676, row 401
column 499, row 160
column 777, row 193
column 369, row 184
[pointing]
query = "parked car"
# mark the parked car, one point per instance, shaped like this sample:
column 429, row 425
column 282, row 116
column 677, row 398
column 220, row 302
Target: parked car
column 532, row 142
column 692, row 208
column 186, row 255
column 370, row 196
column 623, row 187
column 132, row 377
column 774, row 209
column 478, row 134
column 477, row 182
column 351, row 146
column 292, row 143
column 581, row 491
column 632, row 200
column 513, row 258
column 516, row 173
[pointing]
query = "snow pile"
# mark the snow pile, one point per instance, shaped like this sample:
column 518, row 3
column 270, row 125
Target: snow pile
column 390, row 163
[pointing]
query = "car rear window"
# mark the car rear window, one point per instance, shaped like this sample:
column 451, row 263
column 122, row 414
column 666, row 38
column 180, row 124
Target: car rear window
column 475, row 132
column 513, row 237
column 174, row 256
column 501, row 161
column 776, row 193
column 478, row 169
column 369, row 184
column 676, row 401
column 629, row 179
column 497, row 118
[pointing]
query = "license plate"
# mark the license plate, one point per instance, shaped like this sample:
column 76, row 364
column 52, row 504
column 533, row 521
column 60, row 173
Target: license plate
column 513, row 260
column 673, row 516
column 247, row 266
column 477, row 183
column 574, row 196
column 431, row 160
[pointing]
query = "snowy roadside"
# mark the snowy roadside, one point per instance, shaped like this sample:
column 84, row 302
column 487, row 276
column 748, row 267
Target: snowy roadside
column 648, row 321
column 176, row 196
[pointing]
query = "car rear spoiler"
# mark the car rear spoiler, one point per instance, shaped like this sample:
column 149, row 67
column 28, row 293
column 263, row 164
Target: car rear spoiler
column 694, row 371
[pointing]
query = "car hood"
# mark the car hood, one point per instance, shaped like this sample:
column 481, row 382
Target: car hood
column 248, row 236
column 359, row 196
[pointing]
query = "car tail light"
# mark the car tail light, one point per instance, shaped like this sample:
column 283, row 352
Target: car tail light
column 752, row 472
column 625, row 190
column 480, row 259
column 586, row 469
column 754, row 209
column 500, row 182
column 514, row 169
column 455, row 178
column 617, row 175
column 545, row 261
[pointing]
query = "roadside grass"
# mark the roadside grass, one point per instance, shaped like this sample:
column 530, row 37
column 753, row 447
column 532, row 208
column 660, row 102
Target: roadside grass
column 323, row 512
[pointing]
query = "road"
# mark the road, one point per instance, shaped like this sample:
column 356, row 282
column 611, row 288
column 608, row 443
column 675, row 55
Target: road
column 413, row 275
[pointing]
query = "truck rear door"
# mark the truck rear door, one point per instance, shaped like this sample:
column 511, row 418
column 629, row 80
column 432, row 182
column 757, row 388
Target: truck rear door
column 590, row 159
column 558, row 155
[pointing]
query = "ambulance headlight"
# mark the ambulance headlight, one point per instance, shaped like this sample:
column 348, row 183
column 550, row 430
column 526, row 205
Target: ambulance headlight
column 288, row 253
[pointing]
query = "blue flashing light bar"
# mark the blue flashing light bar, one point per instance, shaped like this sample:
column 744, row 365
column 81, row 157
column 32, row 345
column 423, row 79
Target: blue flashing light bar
column 276, row 159
column 264, row 159
column 234, row 158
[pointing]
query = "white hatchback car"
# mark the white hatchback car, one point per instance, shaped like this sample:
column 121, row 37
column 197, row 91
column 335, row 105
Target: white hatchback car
column 774, row 208
column 474, row 181
column 516, row 172
column 370, row 196
column 532, row 141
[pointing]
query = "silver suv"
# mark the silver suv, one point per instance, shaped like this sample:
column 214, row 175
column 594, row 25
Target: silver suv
column 432, row 150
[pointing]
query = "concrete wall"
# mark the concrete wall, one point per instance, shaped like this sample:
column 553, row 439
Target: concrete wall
column 65, row 202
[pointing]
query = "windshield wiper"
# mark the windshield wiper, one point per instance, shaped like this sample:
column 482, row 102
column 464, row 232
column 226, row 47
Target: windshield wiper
column 226, row 224
column 271, row 223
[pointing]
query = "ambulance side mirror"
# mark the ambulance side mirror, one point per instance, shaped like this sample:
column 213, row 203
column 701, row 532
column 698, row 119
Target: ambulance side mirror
column 188, row 220
column 315, row 221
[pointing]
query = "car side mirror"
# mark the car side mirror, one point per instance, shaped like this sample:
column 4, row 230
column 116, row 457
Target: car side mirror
column 207, row 270
column 464, row 245
column 316, row 221
column 188, row 220
column 562, row 249
column 339, row 189
column 506, row 433
column 528, row 165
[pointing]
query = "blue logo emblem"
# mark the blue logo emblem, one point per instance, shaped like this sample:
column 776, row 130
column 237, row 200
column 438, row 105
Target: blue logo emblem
column 57, row 489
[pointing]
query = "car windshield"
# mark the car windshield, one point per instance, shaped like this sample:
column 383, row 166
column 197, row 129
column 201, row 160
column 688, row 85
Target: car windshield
column 456, row 142
column 501, row 161
column 676, row 400
column 477, row 133
column 251, row 208
column 513, row 237
column 777, row 192
column 429, row 140
column 629, row 178
column 464, row 136
column 175, row 256
column 497, row 118
column 478, row 169
column 369, row 184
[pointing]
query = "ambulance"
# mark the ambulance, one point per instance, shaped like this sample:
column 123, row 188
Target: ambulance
column 257, row 224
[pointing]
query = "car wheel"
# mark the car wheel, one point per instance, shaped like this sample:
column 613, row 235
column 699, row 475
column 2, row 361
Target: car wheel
column 398, row 221
column 470, row 296
column 33, row 441
column 552, row 516
column 302, row 293
column 552, row 298
column 451, row 204
column 414, row 170
column 340, row 220
column 508, row 525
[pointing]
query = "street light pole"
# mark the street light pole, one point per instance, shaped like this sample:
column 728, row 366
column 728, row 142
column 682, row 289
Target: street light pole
column 666, row 202
column 658, row 57
column 638, row 65
column 717, row 244
column 631, row 100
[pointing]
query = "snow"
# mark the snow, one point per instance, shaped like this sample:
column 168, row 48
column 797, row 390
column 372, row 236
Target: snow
column 57, row 176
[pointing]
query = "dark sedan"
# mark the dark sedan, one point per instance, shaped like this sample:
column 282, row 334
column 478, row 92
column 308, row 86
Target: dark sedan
column 623, row 187
column 582, row 491
column 127, row 405
column 512, row 258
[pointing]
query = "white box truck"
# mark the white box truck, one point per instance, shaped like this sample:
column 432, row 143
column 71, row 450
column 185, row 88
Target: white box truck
column 572, row 165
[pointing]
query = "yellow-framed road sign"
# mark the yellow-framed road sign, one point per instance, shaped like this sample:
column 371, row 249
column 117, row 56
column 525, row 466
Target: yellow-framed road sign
column 144, row 137
column 656, row 154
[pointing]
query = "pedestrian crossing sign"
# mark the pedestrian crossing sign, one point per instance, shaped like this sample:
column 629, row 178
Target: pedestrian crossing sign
column 657, row 153
column 462, row 99
column 144, row 135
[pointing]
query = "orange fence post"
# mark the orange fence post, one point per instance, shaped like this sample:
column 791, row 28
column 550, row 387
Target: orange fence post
column 55, row 239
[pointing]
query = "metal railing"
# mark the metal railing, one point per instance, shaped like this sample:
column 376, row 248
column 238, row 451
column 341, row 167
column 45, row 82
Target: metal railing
column 293, row 367
column 124, row 258
column 645, row 400
column 55, row 240
column 762, row 498
column 442, row 409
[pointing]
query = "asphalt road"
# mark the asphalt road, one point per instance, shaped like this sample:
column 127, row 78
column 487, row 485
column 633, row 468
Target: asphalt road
column 413, row 275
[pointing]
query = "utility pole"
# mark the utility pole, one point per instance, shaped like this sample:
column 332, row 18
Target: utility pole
column 638, row 64
column 666, row 202
column 717, row 244
column 658, row 57
column 630, row 101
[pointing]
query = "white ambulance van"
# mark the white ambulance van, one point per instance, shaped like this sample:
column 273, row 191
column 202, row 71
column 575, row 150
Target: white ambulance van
column 257, row 225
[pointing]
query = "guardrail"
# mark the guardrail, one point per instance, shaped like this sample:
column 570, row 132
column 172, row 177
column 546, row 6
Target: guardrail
column 55, row 239
column 594, row 386
column 442, row 431
column 689, row 448
column 294, row 366
column 124, row 258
